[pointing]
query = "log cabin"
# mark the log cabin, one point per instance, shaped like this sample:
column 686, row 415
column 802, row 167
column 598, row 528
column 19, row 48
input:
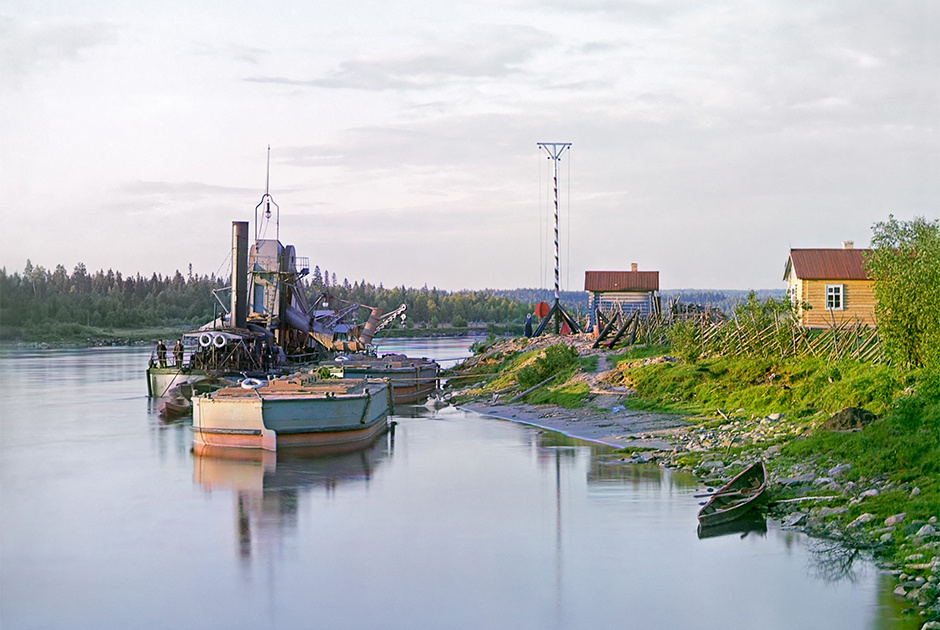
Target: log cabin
column 830, row 286
column 624, row 291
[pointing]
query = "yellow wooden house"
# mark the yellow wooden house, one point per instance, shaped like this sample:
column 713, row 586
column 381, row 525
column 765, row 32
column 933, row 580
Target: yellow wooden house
column 830, row 286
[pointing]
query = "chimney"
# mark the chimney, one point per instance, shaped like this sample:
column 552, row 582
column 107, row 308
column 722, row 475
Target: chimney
column 633, row 266
column 239, row 274
column 848, row 244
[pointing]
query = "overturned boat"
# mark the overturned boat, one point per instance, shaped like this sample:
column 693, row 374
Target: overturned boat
column 300, row 410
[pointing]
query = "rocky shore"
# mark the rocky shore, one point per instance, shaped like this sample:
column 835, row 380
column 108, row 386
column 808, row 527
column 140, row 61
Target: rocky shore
column 810, row 495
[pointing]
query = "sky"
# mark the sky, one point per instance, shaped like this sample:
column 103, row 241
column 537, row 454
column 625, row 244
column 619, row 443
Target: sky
column 707, row 138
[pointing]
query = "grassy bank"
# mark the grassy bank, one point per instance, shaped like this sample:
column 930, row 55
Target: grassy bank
column 879, row 474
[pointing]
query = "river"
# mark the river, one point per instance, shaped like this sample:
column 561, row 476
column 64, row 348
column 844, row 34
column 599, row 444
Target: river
column 453, row 520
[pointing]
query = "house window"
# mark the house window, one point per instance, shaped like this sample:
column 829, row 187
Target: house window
column 835, row 297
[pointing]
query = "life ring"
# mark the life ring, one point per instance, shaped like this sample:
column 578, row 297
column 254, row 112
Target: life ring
column 251, row 383
column 205, row 340
column 219, row 341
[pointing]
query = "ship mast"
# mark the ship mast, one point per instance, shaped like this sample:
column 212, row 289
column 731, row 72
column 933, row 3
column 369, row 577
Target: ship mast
column 267, row 201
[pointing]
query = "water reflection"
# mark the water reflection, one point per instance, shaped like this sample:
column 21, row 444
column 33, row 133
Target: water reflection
column 833, row 561
column 751, row 524
column 268, row 486
column 109, row 521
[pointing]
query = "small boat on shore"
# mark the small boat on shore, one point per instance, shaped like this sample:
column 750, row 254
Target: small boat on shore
column 735, row 498
column 176, row 405
column 412, row 379
column 300, row 410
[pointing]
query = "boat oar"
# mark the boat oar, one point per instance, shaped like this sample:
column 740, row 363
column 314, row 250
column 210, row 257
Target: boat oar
column 726, row 493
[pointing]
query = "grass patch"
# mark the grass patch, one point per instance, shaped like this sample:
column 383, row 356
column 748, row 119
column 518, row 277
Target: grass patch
column 630, row 450
column 796, row 387
column 556, row 359
column 569, row 395
column 636, row 353
column 904, row 447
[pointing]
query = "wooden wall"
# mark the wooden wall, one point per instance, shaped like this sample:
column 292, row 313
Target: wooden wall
column 859, row 303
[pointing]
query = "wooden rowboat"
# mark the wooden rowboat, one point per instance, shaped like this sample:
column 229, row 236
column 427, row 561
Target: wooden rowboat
column 176, row 405
column 736, row 498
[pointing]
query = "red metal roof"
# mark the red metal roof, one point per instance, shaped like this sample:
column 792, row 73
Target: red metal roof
column 828, row 264
column 621, row 281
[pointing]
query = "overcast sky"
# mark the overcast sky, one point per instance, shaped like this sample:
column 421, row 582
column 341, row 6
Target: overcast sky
column 707, row 138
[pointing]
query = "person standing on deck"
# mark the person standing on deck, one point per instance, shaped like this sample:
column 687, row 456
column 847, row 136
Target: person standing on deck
column 178, row 354
column 161, row 353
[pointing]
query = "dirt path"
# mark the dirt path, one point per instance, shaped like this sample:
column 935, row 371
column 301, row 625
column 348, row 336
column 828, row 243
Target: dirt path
column 603, row 419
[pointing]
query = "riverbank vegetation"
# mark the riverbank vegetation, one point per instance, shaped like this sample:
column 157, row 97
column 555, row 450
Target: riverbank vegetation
column 864, row 437
column 846, row 420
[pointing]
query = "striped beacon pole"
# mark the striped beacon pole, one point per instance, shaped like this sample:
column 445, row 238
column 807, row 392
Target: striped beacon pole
column 555, row 151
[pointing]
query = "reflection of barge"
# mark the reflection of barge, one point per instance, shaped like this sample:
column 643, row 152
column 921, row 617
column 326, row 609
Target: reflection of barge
column 268, row 486
column 411, row 380
column 333, row 415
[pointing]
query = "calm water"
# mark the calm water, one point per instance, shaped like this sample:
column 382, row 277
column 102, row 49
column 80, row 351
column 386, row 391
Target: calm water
column 454, row 521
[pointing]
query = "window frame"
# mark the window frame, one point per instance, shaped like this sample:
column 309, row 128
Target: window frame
column 834, row 291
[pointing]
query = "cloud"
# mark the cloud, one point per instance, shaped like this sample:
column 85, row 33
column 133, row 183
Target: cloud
column 496, row 53
column 232, row 51
column 27, row 47
column 166, row 198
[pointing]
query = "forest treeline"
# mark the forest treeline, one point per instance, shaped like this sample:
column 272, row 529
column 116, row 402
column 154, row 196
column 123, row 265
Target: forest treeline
column 37, row 297
column 38, row 300
column 103, row 299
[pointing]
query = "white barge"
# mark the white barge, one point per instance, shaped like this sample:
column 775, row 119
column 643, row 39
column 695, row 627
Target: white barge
column 294, row 411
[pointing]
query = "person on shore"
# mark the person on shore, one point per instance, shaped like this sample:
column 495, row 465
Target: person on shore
column 178, row 354
column 528, row 325
column 161, row 353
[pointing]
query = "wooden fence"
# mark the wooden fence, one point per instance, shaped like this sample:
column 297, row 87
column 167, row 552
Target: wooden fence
column 781, row 338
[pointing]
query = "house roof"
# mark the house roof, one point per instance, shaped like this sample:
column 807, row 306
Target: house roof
column 621, row 281
column 827, row 264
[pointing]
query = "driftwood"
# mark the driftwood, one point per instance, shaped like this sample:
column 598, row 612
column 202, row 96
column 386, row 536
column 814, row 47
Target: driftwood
column 796, row 500
column 532, row 389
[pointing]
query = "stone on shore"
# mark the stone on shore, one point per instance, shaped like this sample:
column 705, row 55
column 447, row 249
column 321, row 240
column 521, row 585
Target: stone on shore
column 861, row 520
column 895, row 519
column 926, row 531
column 849, row 419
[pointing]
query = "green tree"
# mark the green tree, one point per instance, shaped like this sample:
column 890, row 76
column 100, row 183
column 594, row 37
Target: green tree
column 904, row 265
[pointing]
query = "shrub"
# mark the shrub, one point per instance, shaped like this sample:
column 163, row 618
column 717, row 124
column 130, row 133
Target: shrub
column 556, row 359
column 904, row 265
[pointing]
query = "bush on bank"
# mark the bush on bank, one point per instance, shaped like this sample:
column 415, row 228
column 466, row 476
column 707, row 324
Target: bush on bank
column 798, row 387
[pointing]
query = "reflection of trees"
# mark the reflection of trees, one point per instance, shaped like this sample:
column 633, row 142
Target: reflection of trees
column 834, row 560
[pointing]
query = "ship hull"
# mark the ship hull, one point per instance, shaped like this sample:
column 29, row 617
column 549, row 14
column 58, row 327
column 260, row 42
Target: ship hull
column 276, row 416
column 412, row 380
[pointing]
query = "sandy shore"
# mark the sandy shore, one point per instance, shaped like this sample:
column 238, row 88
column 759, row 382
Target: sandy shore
column 607, row 422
